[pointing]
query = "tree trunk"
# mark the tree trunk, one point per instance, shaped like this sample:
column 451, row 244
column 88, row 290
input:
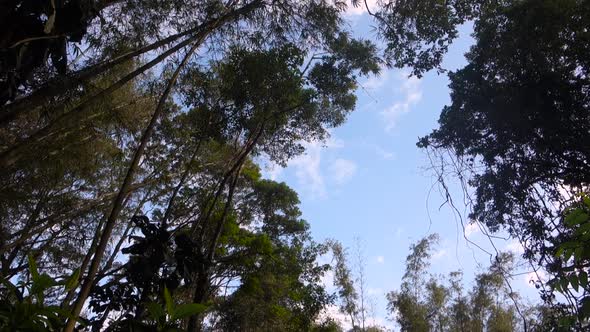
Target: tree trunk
column 118, row 203
column 14, row 153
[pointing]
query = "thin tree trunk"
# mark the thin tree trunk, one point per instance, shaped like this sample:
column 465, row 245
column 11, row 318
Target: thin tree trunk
column 180, row 184
column 29, row 224
column 70, row 294
column 201, row 292
column 117, row 204
column 14, row 153
column 227, row 175
column 66, row 301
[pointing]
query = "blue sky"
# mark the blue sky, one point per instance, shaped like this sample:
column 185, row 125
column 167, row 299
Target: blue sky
column 371, row 181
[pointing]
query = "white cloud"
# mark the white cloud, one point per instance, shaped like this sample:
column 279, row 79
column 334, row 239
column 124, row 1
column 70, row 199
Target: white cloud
column 380, row 259
column 334, row 143
column 342, row 170
column 471, row 228
column 361, row 9
column 307, row 169
column 514, row 246
column 375, row 291
column 387, row 155
column 412, row 94
column 332, row 311
column 272, row 171
column 308, row 166
column 379, row 322
column 327, row 280
column 376, row 81
column 439, row 254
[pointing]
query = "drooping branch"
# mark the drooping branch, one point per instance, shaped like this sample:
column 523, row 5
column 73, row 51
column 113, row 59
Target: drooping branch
column 71, row 118
column 57, row 86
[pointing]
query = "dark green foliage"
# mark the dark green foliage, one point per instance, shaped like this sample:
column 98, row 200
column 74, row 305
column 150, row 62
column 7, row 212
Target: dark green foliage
column 34, row 32
column 344, row 281
column 518, row 122
column 408, row 306
column 23, row 306
column 273, row 260
column 272, row 89
column 142, row 279
column 419, row 33
column 328, row 326
column 122, row 128
column 282, row 294
column 572, row 252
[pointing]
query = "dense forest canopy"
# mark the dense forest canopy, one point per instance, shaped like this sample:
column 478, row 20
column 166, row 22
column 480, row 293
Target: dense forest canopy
column 130, row 133
column 517, row 129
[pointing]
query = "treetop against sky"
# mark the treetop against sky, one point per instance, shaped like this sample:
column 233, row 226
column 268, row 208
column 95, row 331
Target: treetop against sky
column 149, row 149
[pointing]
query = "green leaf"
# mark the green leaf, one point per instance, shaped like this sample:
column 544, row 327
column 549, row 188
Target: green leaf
column 187, row 310
column 573, row 280
column 576, row 217
column 168, row 301
column 569, row 244
column 583, row 277
column 33, row 267
column 61, row 312
column 579, row 254
column 585, row 308
column 566, row 322
column 45, row 281
column 556, row 286
column 41, row 284
column 559, row 251
column 155, row 310
column 563, row 284
column 582, row 229
column 72, row 281
column 567, row 254
column 12, row 289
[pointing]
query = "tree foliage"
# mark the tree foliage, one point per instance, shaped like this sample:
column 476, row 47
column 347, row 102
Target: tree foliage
column 148, row 136
column 427, row 302
column 517, row 124
column 129, row 132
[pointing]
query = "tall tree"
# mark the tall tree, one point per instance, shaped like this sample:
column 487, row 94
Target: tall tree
column 350, row 281
column 517, row 124
column 408, row 306
column 281, row 104
column 344, row 282
column 265, row 251
column 424, row 303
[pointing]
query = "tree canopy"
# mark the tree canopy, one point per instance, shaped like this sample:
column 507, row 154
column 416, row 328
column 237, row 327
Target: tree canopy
column 518, row 122
column 131, row 132
column 140, row 125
